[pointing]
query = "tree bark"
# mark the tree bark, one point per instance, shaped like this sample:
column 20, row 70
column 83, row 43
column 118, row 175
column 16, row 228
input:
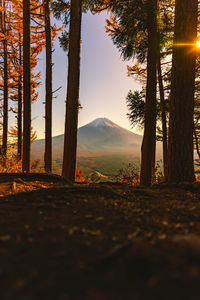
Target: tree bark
column 72, row 103
column 196, row 142
column 48, row 101
column 19, row 112
column 149, row 138
column 5, row 87
column 163, row 116
column 26, row 87
column 180, row 146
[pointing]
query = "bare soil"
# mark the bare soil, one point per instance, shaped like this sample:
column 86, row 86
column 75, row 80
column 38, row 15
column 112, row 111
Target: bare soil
column 103, row 241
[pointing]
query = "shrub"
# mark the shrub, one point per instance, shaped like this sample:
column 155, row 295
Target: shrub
column 93, row 178
column 10, row 163
column 129, row 174
column 80, row 176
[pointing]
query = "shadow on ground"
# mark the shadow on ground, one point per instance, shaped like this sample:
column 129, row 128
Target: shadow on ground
column 103, row 241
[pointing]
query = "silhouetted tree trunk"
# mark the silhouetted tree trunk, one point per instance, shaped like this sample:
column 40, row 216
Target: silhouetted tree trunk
column 180, row 160
column 5, row 87
column 149, row 138
column 19, row 112
column 26, row 87
column 196, row 140
column 72, row 103
column 1, row 24
column 163, row 115
column 48, row 102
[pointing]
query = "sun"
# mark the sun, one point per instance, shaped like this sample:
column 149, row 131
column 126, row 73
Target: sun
column 198, row 44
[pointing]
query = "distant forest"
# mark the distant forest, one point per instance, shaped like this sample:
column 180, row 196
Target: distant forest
column 161, row 36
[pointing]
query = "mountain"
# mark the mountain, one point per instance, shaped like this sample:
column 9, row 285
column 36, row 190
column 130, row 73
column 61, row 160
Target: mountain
column 100, row 137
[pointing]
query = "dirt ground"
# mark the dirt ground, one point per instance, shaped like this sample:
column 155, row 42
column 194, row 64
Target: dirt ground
column 103, row 241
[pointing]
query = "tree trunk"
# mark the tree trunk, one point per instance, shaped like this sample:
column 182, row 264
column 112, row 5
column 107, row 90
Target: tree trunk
column 180, row 146
column 196, row 142
column 149, row 138
column 48, row 102
column 19, row 112
column 72, row 103
column 5, row 88
column 163, row 115
column 26, row 87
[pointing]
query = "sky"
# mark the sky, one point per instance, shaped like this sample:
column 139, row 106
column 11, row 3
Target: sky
column 103, row 80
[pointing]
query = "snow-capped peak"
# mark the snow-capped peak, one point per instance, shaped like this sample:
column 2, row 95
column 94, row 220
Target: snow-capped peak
column 102, row 122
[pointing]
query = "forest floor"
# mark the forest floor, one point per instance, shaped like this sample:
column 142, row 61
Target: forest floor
column 99, row 242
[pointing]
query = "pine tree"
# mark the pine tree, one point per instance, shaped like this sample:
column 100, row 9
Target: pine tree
column 26, row 87
column 48, row 102
column 163, row 114
column 149, row 138
column 19, row 111
column 132, row 42
column 180, row 153
column 72, row 103
column 5, row 81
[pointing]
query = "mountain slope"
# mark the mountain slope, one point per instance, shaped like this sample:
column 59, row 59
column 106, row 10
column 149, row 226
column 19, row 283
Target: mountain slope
column 104, row 135
column 101, row 136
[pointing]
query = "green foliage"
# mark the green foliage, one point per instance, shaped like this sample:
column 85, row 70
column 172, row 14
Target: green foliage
column 127, row 28
column 61, row 10
column 64, row 41
column 136, row 107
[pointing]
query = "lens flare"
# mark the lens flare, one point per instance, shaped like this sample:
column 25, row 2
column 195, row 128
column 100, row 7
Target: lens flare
column 198, row 44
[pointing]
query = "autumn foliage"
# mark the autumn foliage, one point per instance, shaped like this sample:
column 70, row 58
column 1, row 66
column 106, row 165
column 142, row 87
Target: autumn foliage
column 12, row 54
column 80, row 176
column 10, row 162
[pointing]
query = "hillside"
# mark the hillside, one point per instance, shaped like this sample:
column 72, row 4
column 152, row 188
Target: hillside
column 102, row 135
column 103, row 146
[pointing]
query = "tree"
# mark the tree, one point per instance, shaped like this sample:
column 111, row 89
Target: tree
column 5, row 81
column 26, row 87
column 180, row 149
column 42, row 34
column 71, row 43
column 48, row 102
column 133, row 42
column 19, row 111
column 165, row 39
column 72, row 102
column 17, row 66
column 163, row 114
column 138, row 71
column 140, row 40
column 149, row 138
